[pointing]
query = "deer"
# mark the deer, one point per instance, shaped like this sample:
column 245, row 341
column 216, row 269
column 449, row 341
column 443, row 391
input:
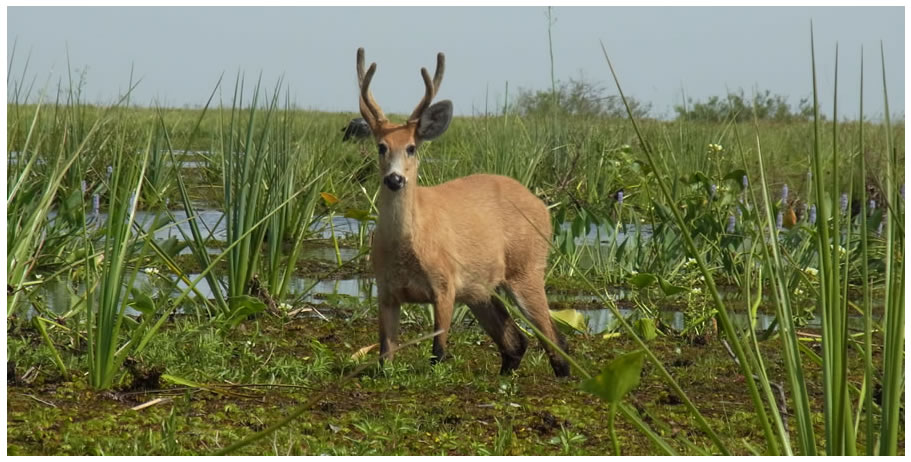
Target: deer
column 461, row 241
column 356, row 129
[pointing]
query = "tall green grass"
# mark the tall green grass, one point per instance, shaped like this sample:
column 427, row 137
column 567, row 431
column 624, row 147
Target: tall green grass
column 107, row 297
column 264, row 174
column 833, row 259
column 894, row 336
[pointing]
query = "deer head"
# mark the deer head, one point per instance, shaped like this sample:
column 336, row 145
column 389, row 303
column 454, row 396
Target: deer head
column 398, row 144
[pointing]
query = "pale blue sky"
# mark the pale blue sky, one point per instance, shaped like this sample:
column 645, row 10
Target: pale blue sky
column 179, row 52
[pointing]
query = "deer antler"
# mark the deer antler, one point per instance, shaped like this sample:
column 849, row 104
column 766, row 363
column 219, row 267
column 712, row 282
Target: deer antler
column 430, row 88
column 369, row 108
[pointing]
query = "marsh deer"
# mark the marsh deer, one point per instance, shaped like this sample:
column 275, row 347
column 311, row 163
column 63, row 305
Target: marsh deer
column 356, row 129
column 457, row 242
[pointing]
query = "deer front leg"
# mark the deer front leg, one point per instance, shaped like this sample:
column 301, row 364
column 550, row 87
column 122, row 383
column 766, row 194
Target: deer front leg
column 389, row 326
column 442, row 318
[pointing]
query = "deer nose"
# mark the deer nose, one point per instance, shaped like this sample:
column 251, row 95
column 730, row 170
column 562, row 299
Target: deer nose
column 394, row 181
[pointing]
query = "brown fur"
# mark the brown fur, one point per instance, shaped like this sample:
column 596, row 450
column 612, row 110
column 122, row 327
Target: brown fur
column 458, row 242
column 790, row 218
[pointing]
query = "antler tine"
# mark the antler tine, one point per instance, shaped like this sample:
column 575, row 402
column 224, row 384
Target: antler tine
column 360, row 66
column 366, row 100
column 438, row 74
column 430, row 87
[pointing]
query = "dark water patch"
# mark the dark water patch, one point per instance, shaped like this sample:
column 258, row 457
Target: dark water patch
column 59, row 296
column 300, row 289
column 212, row 224
column 603, row 320
column 328, row 253
column 194, row 164
column 323, row 252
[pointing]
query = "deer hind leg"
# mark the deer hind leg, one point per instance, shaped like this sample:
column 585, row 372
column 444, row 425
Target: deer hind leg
column 529, row 294
column 496, row 321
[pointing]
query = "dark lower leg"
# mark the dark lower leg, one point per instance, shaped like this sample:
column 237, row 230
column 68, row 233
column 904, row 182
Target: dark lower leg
column 496, row 321
column 533, row 300
column 442, row 319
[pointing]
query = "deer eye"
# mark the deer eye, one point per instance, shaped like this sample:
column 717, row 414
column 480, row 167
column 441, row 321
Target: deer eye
column 382, row 149
column 410, row 149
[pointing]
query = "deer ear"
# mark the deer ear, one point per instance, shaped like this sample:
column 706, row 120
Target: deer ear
column 435, row 120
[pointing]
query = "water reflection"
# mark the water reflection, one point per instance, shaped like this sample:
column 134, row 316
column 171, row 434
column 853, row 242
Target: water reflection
column 60, row 297
column 603, row 320
column 212, row 224
column 611, row 235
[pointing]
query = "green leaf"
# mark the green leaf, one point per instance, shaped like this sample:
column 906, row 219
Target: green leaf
column 670, row 289
column 78, row 254
column 243, row 306
column 181, row 381
column 571, row 318
column 642, row 280
column 645, row 327
column 618, row 378
column 358, row 214
column 578, row 227
column 644, row 167
column 71, row 207
column 189, row 383
column 141, row 302
column 171, row 246
column 697, row 177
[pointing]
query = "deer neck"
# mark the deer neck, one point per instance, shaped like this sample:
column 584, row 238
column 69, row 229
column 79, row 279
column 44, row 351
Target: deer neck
column 398, row 217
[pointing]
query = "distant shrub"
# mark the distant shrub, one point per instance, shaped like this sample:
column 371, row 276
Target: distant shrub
column 577, row 97
column 738, row 107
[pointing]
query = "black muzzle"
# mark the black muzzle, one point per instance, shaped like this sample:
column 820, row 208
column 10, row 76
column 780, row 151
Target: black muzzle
column 394, row 181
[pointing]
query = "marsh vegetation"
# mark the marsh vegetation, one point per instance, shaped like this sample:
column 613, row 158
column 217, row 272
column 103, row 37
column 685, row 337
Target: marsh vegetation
column 729, row 286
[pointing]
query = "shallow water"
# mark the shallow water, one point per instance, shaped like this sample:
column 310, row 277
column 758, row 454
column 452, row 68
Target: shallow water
column 212, row 224
column 603, row 320
column 309, row 253
column 607, row 235
column 345, row 292
column 59, row 296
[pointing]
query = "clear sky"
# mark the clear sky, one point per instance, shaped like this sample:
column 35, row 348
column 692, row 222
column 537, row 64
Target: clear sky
column 179, row 52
